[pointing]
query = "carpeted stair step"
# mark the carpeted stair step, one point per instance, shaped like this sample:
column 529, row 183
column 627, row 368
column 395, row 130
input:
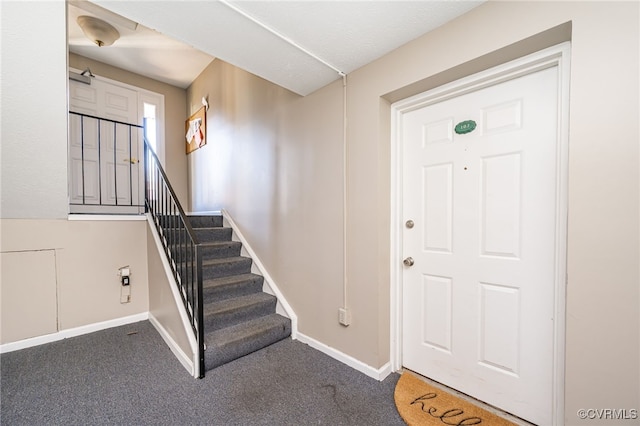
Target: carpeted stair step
column 230, row 312
column 239, row 318
column 232, row 286
column 213, row 250
column 231, row 343
column 204, row 235
column 220, row 249
column 213, row 234
column 218, row 268
column 199, row 221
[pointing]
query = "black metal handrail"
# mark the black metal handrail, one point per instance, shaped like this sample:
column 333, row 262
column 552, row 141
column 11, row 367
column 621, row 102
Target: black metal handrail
column 180, row 243
column 94, row 123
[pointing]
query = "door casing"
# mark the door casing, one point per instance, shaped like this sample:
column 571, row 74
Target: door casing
column 556, row 56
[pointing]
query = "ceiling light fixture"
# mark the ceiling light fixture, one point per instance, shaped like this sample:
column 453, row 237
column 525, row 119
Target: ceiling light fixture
column 98, row 31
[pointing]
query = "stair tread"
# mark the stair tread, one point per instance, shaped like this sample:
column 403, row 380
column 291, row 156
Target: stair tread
column 229, row 305
column 197, row 219
column 222, row 260
column 220, row 243
column 218, row 289
column 232, row 279
column 217, row 261
column 242, row 331
column 210, row 234
column 196, row 228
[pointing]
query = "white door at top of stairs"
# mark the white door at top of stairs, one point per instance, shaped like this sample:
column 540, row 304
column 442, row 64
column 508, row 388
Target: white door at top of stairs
column 104, row 169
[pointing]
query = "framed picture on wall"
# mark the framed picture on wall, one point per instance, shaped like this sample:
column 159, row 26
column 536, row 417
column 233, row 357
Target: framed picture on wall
column 196, row 130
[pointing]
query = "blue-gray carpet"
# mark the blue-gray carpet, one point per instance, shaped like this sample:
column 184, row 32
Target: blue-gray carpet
column 128, row 376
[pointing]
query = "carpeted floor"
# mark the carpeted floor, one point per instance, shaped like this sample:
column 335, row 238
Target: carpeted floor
column 128, row 376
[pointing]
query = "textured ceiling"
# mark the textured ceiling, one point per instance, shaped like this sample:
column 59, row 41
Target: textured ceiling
column 141, row 50
column 300, row 45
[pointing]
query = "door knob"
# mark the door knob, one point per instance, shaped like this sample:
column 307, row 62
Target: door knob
column 409, row 224
column 408, row 261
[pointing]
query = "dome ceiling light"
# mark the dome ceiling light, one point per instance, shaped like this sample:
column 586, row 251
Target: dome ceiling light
column 98, row 31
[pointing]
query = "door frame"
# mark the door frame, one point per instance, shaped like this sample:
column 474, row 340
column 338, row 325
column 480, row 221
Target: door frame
column 142, row 94
column 556, row 56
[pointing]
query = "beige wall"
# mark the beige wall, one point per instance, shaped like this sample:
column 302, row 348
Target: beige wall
column 174, row 113
column 274, row 161
column 81, row 287
column 162, row 304
column 21, row 281
column 68, row 271
column 33, row 85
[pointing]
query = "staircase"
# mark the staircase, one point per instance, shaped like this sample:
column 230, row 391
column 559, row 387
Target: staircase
column 239, row 318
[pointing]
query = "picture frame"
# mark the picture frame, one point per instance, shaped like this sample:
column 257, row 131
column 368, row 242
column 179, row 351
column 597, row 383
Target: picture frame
column 196, row 130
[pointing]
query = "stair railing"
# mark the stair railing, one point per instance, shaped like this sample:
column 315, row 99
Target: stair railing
column 180, row 243
column 99, row 181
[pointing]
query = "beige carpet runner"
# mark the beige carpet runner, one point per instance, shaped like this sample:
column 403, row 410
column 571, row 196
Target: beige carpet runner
column 422, row 404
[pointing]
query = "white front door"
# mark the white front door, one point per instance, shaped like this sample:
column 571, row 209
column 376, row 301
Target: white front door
column 105, row 169
column 478, row 302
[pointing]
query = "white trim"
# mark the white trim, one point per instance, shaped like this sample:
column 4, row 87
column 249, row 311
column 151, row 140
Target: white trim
column 556, row 56
column 72, row 332
column 156, row 99
column 177, row 299
column 184, row 359
column 562, row 214
column 205, row 213
column 136, row 89
column 272, row 288
column 105, row 217
column 376, row 373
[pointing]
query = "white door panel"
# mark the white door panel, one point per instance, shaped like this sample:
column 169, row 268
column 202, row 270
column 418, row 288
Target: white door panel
column 478, row 304
column 108, row 159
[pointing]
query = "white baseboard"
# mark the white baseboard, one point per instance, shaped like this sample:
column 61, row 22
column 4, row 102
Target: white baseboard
column 186, row 362
column 72, row 332
column 376, row 373
column 104, row 217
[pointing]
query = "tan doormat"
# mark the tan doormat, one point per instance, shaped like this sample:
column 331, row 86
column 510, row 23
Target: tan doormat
column 422, row 404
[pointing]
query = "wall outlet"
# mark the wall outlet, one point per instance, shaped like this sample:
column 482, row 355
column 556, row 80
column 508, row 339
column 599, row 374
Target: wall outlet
column 125, row 294
column 344, row 316
column 125, row 281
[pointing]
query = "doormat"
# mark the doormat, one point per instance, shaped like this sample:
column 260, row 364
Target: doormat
column 422, row 404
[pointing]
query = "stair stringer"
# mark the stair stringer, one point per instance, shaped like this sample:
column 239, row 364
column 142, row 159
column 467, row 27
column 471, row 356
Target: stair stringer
column 188, row 360
column 282, row 307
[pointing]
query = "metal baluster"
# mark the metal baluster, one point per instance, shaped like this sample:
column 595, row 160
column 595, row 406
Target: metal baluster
column 199, row 310
column 115, row 162
column 130, row 174
column 82, row 155
column 99, row 163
